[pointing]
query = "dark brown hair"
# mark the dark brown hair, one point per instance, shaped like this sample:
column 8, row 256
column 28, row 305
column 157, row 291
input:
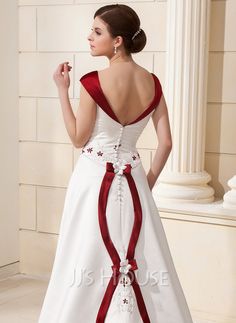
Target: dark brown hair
column 123, row 21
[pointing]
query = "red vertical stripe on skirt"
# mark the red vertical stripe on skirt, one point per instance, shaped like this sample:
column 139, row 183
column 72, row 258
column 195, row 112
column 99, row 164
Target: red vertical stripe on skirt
column 102, row 203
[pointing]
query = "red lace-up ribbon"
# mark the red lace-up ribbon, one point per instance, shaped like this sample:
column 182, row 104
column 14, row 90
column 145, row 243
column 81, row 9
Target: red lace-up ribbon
column 131, row 262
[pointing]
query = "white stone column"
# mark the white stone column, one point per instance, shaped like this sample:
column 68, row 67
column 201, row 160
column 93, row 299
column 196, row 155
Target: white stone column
column 184, row 178
column 229, row 198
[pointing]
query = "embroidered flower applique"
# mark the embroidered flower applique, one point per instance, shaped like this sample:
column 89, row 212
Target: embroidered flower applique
column 119, row 167
column 97, row 152
column 125, row 299
column 116, row 146
column 90, row 149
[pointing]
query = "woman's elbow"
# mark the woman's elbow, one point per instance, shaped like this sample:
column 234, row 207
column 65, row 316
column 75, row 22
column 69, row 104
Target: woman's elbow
column 80, row 143
column 167, row 145
column 77, row 144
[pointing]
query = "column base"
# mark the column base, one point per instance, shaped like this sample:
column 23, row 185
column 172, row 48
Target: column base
column 184, row 187
column 230, row 197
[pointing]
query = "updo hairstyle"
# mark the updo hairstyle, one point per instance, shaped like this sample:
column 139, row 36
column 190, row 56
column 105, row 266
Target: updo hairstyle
column 123, row 21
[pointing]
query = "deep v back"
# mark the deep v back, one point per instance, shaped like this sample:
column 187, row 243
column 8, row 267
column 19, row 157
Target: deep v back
column 107, row 102
column 92, row 84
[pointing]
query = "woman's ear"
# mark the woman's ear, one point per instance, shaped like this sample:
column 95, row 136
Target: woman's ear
column 119, row 41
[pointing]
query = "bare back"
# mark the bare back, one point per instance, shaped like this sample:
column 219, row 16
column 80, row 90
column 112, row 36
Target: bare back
column 129, row 89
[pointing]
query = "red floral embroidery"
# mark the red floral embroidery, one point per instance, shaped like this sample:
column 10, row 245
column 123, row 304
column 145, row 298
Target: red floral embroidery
column 115, row 147
column 99, row 153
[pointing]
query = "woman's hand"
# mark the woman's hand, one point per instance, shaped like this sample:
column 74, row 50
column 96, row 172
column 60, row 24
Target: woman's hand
column 61, row 76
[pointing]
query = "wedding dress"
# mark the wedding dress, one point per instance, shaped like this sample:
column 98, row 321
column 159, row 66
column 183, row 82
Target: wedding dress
column 112, row 262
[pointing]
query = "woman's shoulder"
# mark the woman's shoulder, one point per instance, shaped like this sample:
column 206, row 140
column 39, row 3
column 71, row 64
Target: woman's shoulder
column 120, row 76
column 88, row 75
column 137, row 72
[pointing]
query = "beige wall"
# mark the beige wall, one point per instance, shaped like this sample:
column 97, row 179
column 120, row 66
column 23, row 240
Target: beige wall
column 9, row 208
column 220, row 155
column 204, row 251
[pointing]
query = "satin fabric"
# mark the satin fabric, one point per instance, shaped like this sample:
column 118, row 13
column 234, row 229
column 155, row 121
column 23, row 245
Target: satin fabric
column 112, row 263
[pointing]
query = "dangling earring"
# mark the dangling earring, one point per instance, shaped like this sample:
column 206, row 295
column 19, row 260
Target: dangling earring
column 115, row 51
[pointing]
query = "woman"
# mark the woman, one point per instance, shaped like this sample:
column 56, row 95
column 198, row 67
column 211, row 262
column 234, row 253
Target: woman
column 112, row 262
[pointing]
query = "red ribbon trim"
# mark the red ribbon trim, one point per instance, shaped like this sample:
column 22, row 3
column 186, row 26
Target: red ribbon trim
column 102, row 203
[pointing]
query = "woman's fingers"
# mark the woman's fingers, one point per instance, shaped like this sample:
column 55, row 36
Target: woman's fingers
column 66, row 70
column 66, row 63
column 62, row 72
column 60, row 67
